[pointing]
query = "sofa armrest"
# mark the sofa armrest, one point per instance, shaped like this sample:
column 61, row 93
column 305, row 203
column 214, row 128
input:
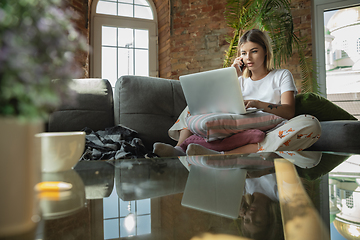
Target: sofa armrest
column 93, row 108
column 338, row 136
column 149, row 106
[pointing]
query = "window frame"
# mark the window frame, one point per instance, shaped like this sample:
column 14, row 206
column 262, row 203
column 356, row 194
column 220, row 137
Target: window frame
column 318, row 38
column 99, row 20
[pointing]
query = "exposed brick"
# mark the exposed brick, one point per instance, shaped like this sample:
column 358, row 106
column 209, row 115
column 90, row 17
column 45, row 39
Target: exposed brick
column 296, row 20
column 299, row 12
column 81, row 25
column 219, row 6
column 196, row 41
column 207, row 9
column 185, row 2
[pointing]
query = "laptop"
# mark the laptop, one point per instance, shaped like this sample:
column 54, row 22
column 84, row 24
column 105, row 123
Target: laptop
column 214, row 91
column 215, row 191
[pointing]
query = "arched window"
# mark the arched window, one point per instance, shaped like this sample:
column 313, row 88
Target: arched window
column 123, row 39
column 124, row 42
column 125, row 8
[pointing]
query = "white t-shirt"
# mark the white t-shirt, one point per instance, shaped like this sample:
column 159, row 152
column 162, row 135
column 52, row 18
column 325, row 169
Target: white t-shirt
column 265, row 184
column 270, row 88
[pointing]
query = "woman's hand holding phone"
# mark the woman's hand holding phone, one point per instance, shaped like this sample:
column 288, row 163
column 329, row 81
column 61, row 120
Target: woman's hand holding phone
column 239, row 65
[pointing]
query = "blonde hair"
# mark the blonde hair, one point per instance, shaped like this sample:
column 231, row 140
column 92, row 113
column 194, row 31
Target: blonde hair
column 261, row 38
column 273, row 230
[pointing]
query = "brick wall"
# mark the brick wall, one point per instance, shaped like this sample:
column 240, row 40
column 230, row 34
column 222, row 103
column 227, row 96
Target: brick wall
column 163, row 16
column 301, row 11
column 197, row 36
column 81, row 21
column 192, row 34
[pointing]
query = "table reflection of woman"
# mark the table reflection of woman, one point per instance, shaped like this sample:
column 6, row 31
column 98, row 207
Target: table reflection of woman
column 260, row 216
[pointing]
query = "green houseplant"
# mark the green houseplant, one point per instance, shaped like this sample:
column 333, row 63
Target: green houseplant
column 274, row 17
column 37, row 46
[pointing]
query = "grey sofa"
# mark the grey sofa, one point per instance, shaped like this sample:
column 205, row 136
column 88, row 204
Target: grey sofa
column 93, row 108
column 151, row 105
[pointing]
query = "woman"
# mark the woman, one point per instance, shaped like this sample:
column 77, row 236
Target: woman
column 260, row 216
column 263, row 87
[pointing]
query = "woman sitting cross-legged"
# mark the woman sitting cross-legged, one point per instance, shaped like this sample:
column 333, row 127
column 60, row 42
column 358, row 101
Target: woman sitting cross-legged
column 263, row 87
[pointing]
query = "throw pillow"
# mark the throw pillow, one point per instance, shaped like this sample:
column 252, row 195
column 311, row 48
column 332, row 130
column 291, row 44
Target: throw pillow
column 215, row 126
column 229, row 143
column 320, row 107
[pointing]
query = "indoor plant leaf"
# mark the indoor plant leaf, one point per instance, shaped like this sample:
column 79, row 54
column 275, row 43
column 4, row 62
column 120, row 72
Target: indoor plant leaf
column 274, row 17
column 37, row 44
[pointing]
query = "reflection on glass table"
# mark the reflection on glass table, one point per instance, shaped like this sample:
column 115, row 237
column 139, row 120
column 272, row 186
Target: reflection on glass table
column 59, row 204
column 244, row 188
column 344, row 198
column 145, row 198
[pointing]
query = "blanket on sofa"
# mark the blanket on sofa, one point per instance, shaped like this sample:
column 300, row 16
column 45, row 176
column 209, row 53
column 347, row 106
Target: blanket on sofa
column 118, row 142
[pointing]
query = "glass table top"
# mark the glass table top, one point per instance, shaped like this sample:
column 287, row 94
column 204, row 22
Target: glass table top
column 315, row 195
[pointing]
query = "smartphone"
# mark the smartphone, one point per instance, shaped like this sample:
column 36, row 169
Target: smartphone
column 242, row 66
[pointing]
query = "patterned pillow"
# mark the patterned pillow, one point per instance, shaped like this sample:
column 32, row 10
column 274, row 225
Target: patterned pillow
column 215, row 126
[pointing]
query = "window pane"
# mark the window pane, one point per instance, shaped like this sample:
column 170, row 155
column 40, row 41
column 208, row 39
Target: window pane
column 143, row 12
column 124, row 208
column 124, row 232
column 106, row 8
column 142, row 39
column 108, row 68
column 108, row 37
column 126, row 1
column 125, row 10
column 125, row 37
column 141, row 2
column 126, row 62
column 143, row 225
column 143, row 207
column 141, row 62
column 342, row 58
column 111, row 229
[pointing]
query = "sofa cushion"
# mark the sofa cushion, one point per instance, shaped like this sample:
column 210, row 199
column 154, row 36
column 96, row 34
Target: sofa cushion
column 93, row 108
column 320, row 107
column 338, row 136
column 149, row 106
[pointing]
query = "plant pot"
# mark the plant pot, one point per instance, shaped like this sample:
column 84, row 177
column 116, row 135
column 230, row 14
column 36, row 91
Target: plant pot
column 19, row 172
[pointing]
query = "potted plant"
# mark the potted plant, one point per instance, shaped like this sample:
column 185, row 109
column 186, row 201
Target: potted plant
column 37, row 45
column 274, row 17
